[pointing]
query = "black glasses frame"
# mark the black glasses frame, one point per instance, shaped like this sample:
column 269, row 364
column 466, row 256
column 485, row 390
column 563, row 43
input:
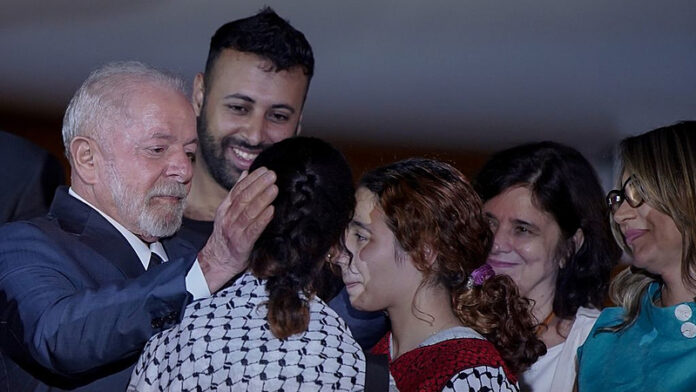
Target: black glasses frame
column 616, row 197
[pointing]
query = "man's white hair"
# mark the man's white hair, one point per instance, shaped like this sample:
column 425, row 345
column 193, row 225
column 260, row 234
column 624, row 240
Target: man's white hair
column 103, row 98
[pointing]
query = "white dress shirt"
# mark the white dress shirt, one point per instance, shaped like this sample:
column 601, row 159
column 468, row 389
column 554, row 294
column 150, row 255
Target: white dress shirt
column 195, row 280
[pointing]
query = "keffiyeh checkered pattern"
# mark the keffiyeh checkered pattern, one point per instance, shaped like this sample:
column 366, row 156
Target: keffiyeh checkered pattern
column 224, row 343
column 457, row 359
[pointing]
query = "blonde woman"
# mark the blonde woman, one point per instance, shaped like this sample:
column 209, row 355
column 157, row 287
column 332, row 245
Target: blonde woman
column 649, row 342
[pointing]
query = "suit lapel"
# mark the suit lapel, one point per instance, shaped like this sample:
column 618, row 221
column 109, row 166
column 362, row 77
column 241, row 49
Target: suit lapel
column 96, row 232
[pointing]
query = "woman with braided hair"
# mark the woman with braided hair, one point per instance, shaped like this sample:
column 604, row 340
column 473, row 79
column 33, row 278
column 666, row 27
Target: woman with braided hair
column 268, row 330
column 417, row 248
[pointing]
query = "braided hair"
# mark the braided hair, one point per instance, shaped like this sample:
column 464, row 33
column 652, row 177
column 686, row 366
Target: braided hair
column 315, row 202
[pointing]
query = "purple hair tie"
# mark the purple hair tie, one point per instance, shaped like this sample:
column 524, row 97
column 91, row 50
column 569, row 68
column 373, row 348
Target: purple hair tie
column 480, row 275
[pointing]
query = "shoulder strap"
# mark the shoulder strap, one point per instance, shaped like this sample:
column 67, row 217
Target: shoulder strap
column 376, row 372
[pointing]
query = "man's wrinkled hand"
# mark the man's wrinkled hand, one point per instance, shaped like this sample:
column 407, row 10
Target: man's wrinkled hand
column 239, row 221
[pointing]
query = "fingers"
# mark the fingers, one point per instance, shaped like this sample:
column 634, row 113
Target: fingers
column 256, row 190
column 259, row 208
column 240, row 220
column 252, row 181
column 247, row 210
column 256, row 226
column 250, row 196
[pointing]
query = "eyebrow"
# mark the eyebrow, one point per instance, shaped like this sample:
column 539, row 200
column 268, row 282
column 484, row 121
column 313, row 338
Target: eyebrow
column 360, row 225
column 165, row 136
column 241, row 96
column 158, row 135
column 249, row 99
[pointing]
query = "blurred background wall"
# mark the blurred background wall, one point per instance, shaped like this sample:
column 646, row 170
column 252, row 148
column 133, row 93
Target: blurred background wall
column 455, row 80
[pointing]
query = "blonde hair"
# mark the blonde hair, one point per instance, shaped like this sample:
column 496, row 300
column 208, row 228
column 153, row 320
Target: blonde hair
column 663, row 162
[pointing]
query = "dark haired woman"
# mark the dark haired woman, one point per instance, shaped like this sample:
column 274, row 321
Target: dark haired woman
column 417, row 245
column 268, row 331
column 552, row 237
column 648, row 343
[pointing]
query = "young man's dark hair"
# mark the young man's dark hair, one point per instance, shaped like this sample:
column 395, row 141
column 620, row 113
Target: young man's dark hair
column 287, row 49
column 250, row 97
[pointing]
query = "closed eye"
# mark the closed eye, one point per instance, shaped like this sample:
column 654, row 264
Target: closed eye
column 279, row 117
column 239, row 109
column 525, row 230
column 157, row 150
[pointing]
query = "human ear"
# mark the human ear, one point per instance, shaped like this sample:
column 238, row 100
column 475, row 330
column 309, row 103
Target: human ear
column 430, row 254
column 299, row 125
column 198, row 94
column 83, row 156
column 577, row 239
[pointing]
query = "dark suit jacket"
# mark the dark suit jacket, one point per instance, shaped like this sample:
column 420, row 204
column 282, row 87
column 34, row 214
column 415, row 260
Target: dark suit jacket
column 76, row 305
column 29, row 176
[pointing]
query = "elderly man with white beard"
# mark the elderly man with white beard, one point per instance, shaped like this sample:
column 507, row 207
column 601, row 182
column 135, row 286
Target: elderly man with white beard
column 83, row 288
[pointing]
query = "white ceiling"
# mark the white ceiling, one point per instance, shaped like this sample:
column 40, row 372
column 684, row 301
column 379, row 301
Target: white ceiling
column 455, row 74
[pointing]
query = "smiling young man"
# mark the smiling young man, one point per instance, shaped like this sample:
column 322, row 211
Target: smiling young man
column 251, row 95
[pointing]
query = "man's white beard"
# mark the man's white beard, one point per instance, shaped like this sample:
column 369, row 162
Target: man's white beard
column 153, row 221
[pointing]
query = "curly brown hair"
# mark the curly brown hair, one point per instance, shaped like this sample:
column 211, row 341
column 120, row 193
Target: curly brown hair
column 431, row 207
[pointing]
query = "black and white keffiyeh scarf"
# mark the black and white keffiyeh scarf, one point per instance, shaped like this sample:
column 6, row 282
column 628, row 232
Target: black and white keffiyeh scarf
column 224, row 343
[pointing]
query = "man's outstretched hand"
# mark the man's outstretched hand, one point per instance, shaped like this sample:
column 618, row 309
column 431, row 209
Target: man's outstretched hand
column 239, row 221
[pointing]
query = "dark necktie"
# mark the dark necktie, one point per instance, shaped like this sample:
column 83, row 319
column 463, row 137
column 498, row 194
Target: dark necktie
column 154, row 260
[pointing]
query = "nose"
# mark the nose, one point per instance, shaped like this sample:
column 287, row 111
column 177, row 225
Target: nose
column 341, row 259
column 623, row 213
column 179, row 166
column 501, row 242
column 255, row 129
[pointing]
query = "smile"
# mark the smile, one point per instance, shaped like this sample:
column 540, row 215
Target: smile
column 632, row 234
column 500, row 264
column 244, row 155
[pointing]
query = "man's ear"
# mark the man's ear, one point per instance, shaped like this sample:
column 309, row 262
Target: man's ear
column 299, row 125
column 83, row 157
column 198, row 94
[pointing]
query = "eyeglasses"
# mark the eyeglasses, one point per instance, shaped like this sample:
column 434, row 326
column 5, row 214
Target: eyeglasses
column 630, row 192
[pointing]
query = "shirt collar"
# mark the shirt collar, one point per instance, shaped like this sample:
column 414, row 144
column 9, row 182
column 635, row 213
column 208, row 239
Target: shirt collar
column 139, row 246
column 664, row 320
